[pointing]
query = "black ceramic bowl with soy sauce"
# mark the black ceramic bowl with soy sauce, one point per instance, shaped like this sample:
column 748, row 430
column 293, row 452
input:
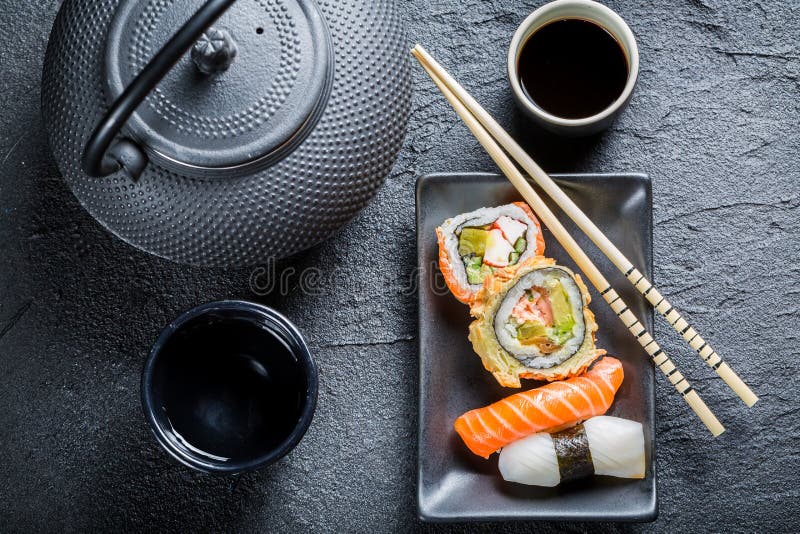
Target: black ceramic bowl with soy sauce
column 229, row 387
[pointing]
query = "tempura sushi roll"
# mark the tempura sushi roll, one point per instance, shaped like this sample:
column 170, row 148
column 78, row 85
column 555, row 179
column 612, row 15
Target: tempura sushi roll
column 474, row 245
column 533, row 321
column 602, row 445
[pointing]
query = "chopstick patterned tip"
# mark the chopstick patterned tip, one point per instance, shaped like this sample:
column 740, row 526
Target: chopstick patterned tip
column 663, row 362
column 690, row 335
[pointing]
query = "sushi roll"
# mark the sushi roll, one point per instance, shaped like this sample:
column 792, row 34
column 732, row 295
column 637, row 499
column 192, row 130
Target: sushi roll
column 602, row 445
column 533, row 321
column 474, row 245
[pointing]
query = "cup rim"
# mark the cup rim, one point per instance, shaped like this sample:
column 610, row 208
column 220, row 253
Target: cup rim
column 626, row 34
column 298, row 347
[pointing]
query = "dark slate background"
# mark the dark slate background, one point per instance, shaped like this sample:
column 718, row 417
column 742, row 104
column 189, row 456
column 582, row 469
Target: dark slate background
column 714, row 121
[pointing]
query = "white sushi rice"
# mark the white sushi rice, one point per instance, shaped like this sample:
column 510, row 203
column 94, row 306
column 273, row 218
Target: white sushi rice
column 530, row 355
column 452, row 229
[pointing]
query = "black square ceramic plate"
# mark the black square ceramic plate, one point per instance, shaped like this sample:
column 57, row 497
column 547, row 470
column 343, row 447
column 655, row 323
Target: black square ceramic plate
column 454, row 484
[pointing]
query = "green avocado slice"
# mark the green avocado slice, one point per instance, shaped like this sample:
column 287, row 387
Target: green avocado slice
column 472, row 241
column 473, row 264
column 563, row 321
column 529, row 330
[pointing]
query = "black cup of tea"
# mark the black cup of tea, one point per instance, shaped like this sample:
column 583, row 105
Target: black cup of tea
column 572, row 66
column 229, row 387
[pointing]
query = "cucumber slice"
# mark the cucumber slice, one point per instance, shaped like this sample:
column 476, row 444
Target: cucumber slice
column 473, row 266
column 520, row 245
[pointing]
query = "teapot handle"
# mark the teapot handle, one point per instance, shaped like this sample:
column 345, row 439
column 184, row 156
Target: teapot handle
column 100, row 158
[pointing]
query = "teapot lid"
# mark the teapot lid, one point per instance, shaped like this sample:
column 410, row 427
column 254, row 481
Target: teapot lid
column 251, row 91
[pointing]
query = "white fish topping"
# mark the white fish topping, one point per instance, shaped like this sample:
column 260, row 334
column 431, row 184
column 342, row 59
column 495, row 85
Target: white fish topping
column 616, row 446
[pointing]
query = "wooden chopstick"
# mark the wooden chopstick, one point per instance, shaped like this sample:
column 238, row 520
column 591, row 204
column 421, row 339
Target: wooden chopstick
column 640, row 282
column 594, row 275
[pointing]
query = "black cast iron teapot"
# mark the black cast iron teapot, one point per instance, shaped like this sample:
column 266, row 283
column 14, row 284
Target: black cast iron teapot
column 218, row 134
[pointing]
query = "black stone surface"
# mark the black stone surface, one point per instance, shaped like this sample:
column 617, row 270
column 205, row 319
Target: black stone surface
column 714, row 121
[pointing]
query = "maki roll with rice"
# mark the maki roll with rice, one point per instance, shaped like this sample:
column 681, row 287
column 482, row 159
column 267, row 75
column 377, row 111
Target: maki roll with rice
column 474, row 245
column 533, row 321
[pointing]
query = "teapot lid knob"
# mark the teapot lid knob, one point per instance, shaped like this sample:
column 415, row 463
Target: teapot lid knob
column 214, row 52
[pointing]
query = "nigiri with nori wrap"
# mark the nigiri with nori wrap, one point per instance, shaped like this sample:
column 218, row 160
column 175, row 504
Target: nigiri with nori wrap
column 474, row 245
column 534, row 322
column 602, row 445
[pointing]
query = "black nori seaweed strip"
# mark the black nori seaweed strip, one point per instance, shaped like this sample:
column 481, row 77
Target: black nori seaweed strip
column 573, row 454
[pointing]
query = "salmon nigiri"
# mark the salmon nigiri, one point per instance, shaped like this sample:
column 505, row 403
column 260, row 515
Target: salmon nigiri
column 557, row 404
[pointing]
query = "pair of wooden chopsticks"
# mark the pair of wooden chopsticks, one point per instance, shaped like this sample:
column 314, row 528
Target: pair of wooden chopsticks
column 489, row 133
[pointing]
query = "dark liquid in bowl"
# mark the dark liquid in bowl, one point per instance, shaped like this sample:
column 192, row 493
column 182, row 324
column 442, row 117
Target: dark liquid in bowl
column 231, row 389
column 572, row 68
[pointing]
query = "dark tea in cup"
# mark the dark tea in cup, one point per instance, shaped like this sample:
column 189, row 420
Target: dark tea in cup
column 229, row 386
column 572, row 68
